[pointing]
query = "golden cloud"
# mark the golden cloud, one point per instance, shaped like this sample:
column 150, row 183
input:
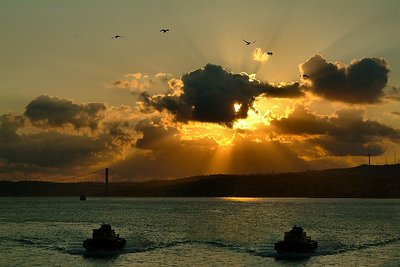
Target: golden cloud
column 260, row 56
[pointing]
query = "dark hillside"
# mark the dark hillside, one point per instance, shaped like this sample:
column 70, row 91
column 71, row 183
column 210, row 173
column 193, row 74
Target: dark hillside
column 380, row 181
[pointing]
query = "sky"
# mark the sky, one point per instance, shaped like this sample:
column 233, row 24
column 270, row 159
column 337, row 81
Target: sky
column 197, row 99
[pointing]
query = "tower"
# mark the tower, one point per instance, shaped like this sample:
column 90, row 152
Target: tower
column 106, row 176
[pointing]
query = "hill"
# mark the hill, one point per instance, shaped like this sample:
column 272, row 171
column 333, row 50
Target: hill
column 378, row 181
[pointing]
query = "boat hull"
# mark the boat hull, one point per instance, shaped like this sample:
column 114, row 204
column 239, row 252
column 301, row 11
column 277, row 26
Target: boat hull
column 104, row 244
column 296, row 247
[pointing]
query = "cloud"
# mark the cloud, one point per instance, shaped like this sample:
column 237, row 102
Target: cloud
column 167, row 155
column 260, row 56
column 395, row 113
column 162, row 135
column 361, row 82
column 53, row 149
column 163, row 76
column 136, row 76
column 140, row 82
column 49, row 148
column 134, row 82
column 176, row 85
column 344, row 133
column 164, row 151
column 393, row 90
column 154, row 135
column 210, row 93
column 47, row 111
column 302, row 122
column 9, row 125
column 392, row 93
column 37, row 141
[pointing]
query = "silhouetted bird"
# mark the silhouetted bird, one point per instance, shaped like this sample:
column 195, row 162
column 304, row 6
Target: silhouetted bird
column 164, row 30
column 270, row 53
column 248, row 42
column 305, row 76
column 117, row 36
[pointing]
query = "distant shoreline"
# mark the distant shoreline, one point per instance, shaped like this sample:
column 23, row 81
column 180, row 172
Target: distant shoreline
column 181, row 198
column 375, row 181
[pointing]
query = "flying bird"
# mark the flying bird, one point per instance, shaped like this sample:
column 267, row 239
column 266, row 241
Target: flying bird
column 117, row 36
column 164, row 30
column 270, row 53
column 248, row 42
column 305, row 76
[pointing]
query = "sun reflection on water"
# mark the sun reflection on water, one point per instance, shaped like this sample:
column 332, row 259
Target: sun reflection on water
column 244, row 199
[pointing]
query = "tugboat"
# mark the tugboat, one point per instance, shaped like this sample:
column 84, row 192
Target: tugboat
column 296, row 241
column 104, row 239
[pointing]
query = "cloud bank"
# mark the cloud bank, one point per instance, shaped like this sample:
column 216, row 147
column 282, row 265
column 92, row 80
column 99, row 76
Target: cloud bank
column 361, row 82
column 344, row 133
column 50, row 137
column 193, row 124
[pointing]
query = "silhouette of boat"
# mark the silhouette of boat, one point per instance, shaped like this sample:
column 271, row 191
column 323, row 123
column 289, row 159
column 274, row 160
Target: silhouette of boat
column 82, row 197
column 104, row 239
column 296, row 241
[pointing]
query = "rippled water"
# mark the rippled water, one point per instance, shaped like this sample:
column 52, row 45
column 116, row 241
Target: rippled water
column 199, row 231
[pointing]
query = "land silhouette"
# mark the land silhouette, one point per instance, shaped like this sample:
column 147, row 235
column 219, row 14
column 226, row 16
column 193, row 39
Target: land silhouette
column 377, row 181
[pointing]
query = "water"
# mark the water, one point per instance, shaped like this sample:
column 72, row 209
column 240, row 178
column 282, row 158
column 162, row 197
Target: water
column 199, row 231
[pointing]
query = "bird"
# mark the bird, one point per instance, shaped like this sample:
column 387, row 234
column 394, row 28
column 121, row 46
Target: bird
column 164, row 30
column 270, row 53
column 248, row 42
column 117, row 36
column 305, row 76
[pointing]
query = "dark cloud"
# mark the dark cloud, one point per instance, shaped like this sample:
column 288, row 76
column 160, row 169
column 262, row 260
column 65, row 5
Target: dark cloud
column 28, row 152
column 209, row 95
column 9, row 124
column 46, row 111
column 302, row 122
column 345, row 147
column 51, row 148
column 154, row 135
column 361, row 82
column 345, row 133
column 119, row 132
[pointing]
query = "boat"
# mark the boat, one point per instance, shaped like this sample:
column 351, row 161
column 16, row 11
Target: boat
column 104, row 239
column 296, row 241
column 82, row 197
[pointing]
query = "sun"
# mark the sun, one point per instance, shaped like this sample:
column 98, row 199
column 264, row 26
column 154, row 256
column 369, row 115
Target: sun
column 237, row 107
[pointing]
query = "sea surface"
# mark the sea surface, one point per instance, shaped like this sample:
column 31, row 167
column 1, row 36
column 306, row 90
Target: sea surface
column 199, row 231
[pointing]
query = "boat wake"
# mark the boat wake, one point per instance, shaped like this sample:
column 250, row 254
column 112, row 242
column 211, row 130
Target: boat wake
column 28, row 241
column 329, row 248
column 140, row 246
column 373, row 245
column 325, row 248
